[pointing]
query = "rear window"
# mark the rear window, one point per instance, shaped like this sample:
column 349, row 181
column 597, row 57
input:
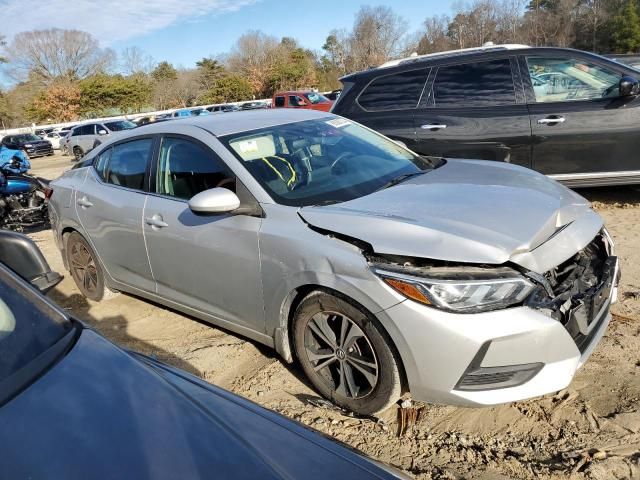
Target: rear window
column 394, row 92
column 279, row 102
column 474, row 84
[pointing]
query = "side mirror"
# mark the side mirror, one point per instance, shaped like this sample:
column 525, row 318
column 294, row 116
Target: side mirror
column 214, row 200
column 22, row 255
column 629, row 86
column 102, row 132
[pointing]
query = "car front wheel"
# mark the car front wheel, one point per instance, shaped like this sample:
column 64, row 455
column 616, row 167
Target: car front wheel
column 346, row 354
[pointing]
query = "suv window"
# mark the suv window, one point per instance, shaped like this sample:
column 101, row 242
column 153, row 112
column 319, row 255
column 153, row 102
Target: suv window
column 565, row 79
column 279, row 101
column 128, row 164
column 187, row 168
column 87, row 130
column 474, row 84
column 394, row 92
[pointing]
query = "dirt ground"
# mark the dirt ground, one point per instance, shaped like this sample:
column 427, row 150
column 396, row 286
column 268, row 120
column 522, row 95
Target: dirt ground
column 589, row 431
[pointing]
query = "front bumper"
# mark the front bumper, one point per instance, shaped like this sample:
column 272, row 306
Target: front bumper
column 439, row 349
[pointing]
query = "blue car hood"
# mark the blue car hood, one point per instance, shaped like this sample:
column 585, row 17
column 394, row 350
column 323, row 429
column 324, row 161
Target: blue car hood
column 102, row 413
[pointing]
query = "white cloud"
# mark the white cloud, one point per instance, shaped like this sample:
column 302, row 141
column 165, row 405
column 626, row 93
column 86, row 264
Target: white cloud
column 111, row 20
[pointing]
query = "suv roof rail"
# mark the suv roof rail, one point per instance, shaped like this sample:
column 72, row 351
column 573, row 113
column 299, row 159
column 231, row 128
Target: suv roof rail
column 487, row 47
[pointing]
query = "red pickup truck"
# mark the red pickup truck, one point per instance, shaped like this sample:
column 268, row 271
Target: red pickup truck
column 301, row 99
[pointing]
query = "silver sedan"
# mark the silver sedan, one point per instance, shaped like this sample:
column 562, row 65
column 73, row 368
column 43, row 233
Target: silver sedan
column 378, row 270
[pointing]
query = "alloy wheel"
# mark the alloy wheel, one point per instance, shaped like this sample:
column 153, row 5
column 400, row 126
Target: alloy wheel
column 341, row 354
column 83, row 267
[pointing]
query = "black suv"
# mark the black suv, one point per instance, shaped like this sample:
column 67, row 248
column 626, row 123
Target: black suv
column 32, row 145
column 572, row 115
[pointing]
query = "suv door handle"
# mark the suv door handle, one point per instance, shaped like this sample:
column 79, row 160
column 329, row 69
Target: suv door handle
column 551, row 119
column 156, row 221
column 84, row 202
column 433, row 126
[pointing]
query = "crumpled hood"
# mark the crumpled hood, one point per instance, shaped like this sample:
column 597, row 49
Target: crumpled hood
column 465, row 211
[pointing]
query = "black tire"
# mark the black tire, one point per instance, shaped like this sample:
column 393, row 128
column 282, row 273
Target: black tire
column 85, row 267
column 78, row 153
column 373, row 348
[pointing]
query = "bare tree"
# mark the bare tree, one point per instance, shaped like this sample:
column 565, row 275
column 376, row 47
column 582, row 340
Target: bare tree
column 434, row 36
column 134, row 60
column 376, row 36
column 54, row 54
column 253, row 57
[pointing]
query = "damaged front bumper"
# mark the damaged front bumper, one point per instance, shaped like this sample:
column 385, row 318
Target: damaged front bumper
column 511, row 354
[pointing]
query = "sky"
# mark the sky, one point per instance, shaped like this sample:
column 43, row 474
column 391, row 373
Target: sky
column 184, row 31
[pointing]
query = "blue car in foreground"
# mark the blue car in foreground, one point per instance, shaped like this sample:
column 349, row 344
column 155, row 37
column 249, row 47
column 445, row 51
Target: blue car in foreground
column 75, row 406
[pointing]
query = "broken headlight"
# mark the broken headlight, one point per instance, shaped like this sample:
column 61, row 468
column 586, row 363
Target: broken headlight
column 459, row 289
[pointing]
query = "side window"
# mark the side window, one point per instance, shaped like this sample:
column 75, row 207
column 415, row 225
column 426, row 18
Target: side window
column 279, row 101
column 295, row 101
column 76, row 132
column 474, row 84
column 100, row 163
column 566, row 79
column 187, row 168
column 128, row 162
column 394, row 92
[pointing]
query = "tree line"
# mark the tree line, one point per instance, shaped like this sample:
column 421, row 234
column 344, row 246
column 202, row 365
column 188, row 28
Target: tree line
column 65, row 75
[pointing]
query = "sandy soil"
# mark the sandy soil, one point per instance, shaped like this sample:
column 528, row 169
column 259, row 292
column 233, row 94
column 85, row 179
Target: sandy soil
column 589, row 431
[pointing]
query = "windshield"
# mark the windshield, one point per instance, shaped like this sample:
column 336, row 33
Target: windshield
column 316, row 98
column 322, row 161
column 120, row 125
column 27, row 137
column 28, row 326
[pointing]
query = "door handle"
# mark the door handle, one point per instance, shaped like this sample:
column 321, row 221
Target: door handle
column 433, row 126
column 84, row 202
column 552, row 120
column 156, row 221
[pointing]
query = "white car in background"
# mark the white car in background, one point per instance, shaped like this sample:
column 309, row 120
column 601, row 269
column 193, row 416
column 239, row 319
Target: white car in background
column 55, row 138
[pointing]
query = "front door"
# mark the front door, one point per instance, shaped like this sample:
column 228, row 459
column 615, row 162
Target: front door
column 206, row 262
column 581, row 126
column 110, row 204
column 475, row 110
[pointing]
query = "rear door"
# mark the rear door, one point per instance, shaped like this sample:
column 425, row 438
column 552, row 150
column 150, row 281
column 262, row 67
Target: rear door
column 475, row 109
column 109, row 205
column 388, row 102
column 209, row 263
column 582, row 129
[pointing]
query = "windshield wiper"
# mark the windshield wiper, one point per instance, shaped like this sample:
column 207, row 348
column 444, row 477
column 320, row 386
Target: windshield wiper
column 400, row 179
column 327, row 202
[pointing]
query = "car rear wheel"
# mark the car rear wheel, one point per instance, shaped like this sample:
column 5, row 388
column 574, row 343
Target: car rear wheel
column 346, row 354
column 85, row 267
column 78, row 153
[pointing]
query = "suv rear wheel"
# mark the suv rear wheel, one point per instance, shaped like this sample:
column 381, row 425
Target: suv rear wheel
column 78, row 153
column 346, row 354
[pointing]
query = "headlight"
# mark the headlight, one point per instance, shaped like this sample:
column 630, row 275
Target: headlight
column 462, row 290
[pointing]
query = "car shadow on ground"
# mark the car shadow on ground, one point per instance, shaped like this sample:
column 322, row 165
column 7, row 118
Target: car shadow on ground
column 114, row 328
column 623, row 194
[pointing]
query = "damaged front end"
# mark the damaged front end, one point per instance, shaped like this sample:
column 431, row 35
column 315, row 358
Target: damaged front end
column 579, row 291
column 576, row 293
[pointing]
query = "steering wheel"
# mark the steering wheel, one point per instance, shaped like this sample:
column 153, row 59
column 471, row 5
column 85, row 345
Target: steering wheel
column 339, row 159
column 224, row 182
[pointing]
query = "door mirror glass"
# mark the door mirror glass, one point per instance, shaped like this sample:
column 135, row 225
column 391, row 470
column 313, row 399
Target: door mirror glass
column 629, row 86
column 214, row 200
column 102, row 132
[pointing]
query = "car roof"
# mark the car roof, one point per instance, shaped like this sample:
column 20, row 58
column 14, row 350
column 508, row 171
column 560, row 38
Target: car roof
column 233, row 122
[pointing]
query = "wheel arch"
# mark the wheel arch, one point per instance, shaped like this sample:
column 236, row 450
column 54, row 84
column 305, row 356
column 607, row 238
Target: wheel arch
column 283, row 337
